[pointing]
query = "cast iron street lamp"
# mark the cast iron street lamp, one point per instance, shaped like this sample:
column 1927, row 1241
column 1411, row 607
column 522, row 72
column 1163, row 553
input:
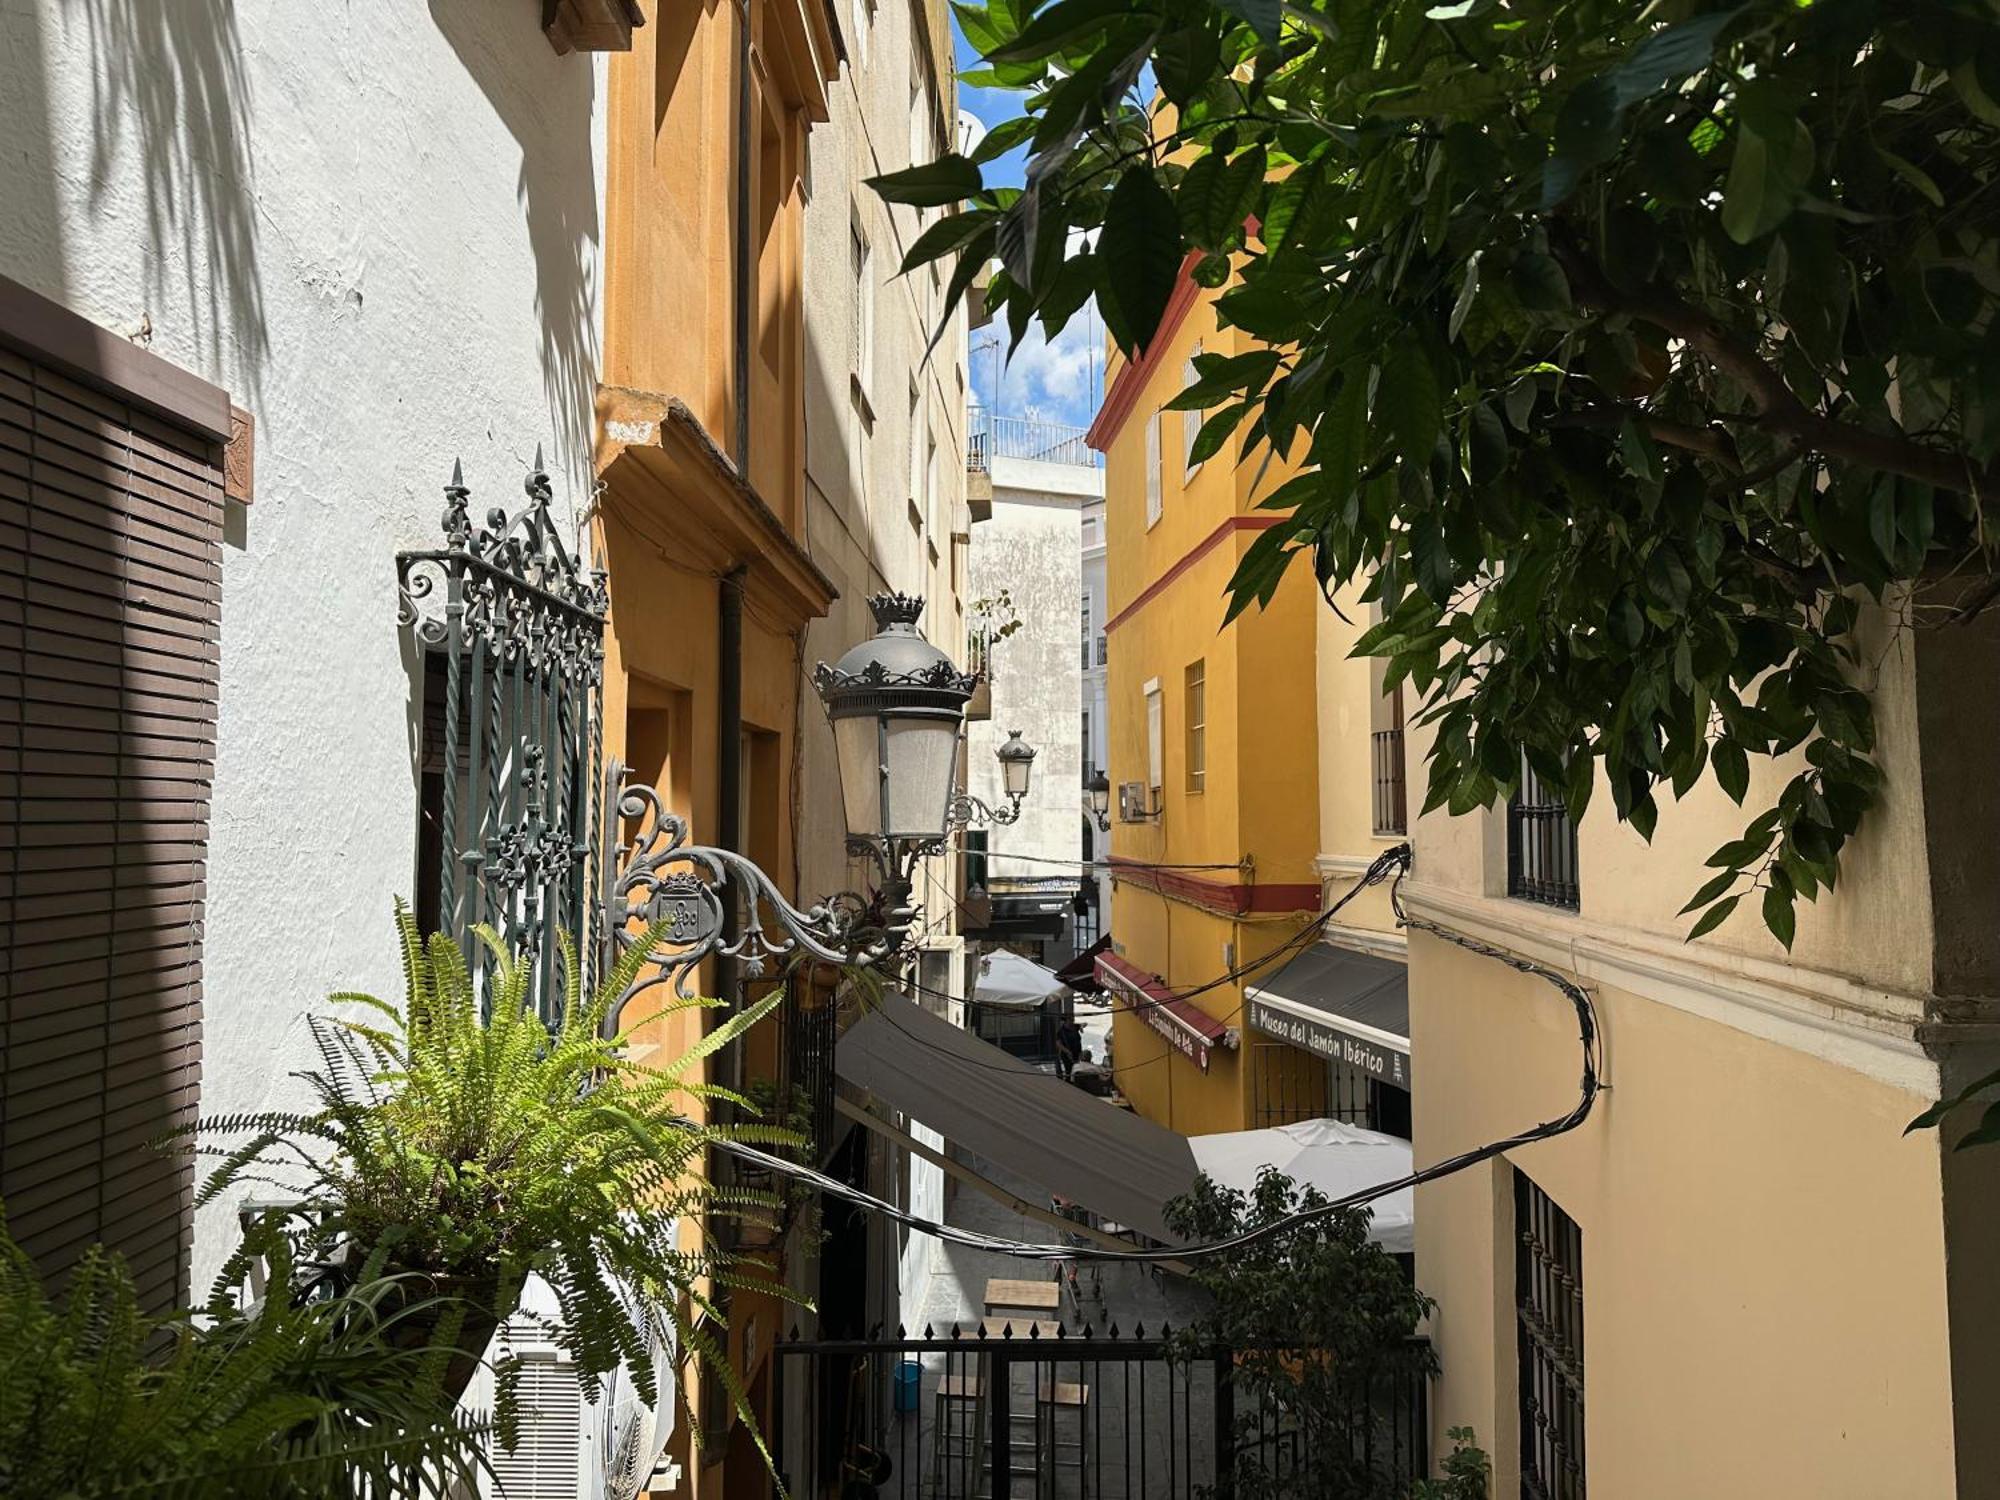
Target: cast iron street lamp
column 1017, row 761
column 897, row 705
column 1099, row 790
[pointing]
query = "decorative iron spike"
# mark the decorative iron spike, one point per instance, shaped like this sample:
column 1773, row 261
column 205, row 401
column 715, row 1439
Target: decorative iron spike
column 1034, row 1332
column 1139, row 1331
column 980, row 1332
column 1088, row 1331
column 1062, row 1331
column 954, row 1331
column 1166, row 1330
column 457, row 475
column 901, row 1332
column 1114, row 1331
column 874, row 1333
column 1007, row 1329
column 795, row 1335
column 927, row 1332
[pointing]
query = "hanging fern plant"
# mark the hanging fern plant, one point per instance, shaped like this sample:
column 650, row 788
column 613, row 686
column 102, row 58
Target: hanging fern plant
column 462, row 1140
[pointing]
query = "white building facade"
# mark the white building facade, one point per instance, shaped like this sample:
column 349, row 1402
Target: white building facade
column 374, row 232
column 1026, row 581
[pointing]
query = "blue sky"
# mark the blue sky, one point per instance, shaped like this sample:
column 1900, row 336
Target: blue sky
column 1057, row 381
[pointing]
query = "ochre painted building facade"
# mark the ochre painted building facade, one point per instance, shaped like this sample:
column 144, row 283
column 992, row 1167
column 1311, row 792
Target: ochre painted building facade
column 1214, row 727
column 700, row 515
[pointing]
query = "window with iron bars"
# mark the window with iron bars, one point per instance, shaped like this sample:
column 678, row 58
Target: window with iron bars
column 1548, row 1301
column 1541, row 844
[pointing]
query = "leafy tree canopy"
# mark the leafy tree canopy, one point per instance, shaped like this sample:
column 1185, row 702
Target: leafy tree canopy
column 1626, row 351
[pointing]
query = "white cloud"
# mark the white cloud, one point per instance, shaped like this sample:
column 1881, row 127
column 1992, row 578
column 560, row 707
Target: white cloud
column 1057, row 379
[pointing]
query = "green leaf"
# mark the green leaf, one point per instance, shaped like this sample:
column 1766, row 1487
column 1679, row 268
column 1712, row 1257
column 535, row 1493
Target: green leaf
column 1184, row 62
column 1711, row 889
column 1263, row 16
column 1779, row 915
column 953, row 232
column 1737, row 853
column 1732, row 768
column 1004, row 137
column 1467, row 290
column 1409, row 404
column 933, row 184
column 1215, row 432
column 1714, row 917
column 1142, row 240
column 1772, row 166
column 1913, row 174
column 1061, row 23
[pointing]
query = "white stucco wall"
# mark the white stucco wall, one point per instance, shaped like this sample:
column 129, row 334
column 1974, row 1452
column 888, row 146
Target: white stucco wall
column 378, row 225
column 1031, row 549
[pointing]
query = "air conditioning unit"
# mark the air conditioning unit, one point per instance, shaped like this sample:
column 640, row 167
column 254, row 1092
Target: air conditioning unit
column 1135, row 802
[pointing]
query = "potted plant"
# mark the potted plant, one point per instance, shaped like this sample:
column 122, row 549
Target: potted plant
column 461, row 1140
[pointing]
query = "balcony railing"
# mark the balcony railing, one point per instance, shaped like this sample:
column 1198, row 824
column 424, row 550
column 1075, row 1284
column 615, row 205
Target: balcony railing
column 1392, row 812
column 988, row 437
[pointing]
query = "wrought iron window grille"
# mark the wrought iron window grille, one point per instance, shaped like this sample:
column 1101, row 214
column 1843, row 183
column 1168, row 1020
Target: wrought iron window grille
column 1541, row 844
column 1548, row 1286
column 527, row 817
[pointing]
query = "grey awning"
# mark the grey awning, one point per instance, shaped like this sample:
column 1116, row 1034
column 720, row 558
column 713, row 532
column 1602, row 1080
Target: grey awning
column 1341, row 1004
column 1031, row 1123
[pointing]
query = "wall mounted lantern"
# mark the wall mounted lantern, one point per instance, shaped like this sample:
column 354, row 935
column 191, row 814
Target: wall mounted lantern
column 1098, row 789
column 1017, row 763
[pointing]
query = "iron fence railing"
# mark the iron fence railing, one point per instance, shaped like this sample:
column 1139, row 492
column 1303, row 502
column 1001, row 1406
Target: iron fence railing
column 1034, row 1416
column 1392, row 813
column 976, row 443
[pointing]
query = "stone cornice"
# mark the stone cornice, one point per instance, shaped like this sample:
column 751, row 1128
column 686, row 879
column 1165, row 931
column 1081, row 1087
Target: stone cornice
column 1882, row 1033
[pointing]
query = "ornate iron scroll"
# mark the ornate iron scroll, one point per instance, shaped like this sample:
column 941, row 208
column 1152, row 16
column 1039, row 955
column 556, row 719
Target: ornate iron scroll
column 510, row 626
column 657, row 875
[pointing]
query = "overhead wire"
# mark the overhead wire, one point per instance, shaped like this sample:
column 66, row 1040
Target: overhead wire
column 1588, row 1088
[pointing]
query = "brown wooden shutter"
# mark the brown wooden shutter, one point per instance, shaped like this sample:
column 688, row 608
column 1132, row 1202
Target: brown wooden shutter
column 110, row 601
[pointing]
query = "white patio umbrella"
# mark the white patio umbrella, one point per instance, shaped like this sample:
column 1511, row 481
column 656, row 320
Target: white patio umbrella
column 1017, row 983
column 1335, row 1158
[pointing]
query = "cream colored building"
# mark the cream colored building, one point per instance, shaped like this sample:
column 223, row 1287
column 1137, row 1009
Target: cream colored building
column 1738, row 1277
column 884, row 481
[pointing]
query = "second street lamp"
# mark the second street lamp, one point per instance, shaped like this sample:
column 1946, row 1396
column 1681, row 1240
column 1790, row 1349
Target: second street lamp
column 1099, row 790
column 1017, row 762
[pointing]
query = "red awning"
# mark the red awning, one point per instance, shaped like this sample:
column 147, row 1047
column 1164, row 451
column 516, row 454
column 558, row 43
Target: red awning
column 1191, row 1030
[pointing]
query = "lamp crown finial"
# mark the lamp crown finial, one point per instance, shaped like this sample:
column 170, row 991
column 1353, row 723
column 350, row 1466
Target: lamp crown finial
column 895, row 609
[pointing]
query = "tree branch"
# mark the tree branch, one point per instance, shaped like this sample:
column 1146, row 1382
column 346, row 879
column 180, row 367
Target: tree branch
column 1776, row 407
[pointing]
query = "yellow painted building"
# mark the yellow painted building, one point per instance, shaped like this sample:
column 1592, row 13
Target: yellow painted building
column 1213, row 757
column 701, row 513
column 1738, row 1277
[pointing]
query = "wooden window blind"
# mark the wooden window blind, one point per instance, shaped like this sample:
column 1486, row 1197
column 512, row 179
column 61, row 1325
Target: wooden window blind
column 111, row 500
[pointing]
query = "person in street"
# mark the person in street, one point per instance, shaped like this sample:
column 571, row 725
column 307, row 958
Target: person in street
column 1069, row 1047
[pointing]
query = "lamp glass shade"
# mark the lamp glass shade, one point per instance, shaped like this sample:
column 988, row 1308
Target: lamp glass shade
column 1014, row 776
column 922, row 759
column 1100, row 794
column 857, row 745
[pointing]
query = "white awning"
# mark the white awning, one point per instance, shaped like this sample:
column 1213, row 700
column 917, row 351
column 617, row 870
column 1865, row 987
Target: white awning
column 1016, row 983
column 1335, row 1158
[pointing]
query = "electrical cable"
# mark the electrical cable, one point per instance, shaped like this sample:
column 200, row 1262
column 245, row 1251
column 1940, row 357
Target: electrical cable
column 1086, row 864
column 1586, row 1017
